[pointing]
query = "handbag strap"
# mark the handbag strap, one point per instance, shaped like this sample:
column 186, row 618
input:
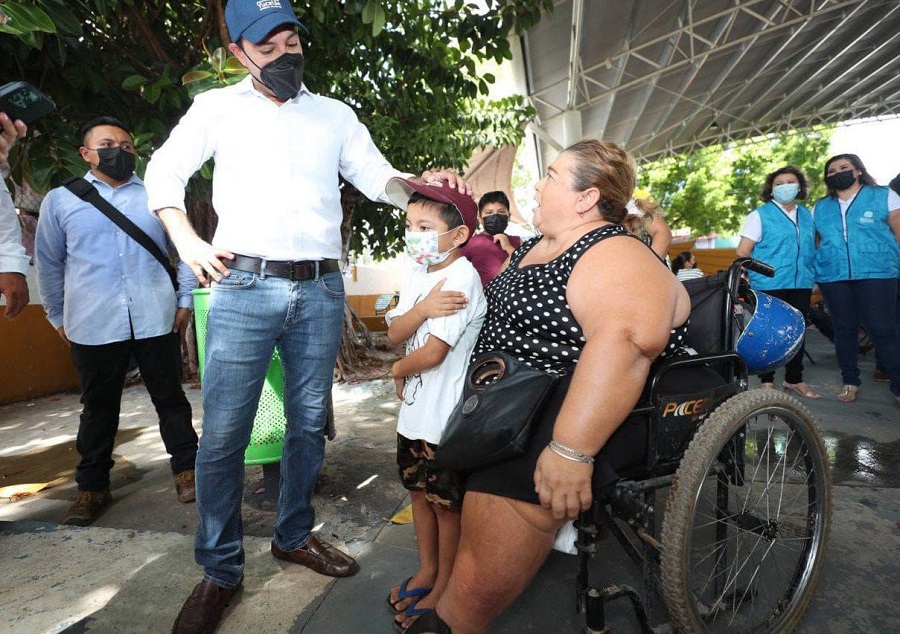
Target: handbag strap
column 88, row 193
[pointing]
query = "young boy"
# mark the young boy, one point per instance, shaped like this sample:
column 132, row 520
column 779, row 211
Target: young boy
column 439, row 315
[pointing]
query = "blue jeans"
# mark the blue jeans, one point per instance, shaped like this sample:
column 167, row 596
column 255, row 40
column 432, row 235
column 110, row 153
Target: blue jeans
column 874, row 302
column 249, row 315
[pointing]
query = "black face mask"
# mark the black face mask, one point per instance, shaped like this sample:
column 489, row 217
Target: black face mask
column 283, row 76
column 116, row 163
column 495, row 224
column 840, row 181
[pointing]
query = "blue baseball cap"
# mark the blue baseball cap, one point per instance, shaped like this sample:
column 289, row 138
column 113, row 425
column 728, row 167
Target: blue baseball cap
column 253, row 20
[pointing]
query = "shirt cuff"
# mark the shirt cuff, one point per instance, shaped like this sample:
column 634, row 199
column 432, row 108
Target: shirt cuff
column 14, row 264
column 186, row 301
column 55, row 320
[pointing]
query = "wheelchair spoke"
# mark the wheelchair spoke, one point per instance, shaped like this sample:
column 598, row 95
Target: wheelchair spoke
column 751, row 511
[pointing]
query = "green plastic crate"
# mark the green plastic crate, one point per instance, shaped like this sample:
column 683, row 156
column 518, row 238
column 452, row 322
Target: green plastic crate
column 267, row 437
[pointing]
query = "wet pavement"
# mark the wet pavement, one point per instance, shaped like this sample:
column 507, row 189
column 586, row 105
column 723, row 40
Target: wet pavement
column 131, row 571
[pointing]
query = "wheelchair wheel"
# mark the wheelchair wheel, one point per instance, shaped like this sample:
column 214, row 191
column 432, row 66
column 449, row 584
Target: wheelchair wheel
column 747, row 518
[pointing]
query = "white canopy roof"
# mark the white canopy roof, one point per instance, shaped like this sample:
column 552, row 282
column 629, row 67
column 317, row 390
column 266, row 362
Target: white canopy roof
column 662, row 77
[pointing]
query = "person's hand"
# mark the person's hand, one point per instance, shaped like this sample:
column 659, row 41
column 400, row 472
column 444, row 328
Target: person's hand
column 440, row 303
column 182, row 319
column 204, row 259
column 400, row 382
column 503, row 240
column 454, row 180
column 15, row 290
column 9, row 131
column 62, row 333
column 563, row 486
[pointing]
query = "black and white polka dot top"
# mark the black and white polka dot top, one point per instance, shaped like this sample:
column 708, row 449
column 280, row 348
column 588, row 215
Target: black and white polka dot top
column 528, row 316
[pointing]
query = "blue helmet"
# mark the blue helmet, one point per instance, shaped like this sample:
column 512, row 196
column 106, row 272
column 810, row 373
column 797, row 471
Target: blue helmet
column 772, row 335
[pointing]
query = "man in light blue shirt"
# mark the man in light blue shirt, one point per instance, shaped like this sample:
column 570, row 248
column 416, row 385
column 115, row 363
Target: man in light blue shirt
column 110, row 299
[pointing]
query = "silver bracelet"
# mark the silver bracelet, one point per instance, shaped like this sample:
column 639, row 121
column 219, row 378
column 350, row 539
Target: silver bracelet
column 568, row 453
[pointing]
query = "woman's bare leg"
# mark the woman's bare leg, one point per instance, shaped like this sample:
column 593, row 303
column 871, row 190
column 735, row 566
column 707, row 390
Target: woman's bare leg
column 503, row 544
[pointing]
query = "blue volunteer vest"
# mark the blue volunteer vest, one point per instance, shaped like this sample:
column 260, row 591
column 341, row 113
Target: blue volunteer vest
column 870, row 250
column 789, row 247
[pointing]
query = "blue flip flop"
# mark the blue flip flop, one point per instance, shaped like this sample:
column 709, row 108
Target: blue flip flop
column 405, row 593
column 412, row 610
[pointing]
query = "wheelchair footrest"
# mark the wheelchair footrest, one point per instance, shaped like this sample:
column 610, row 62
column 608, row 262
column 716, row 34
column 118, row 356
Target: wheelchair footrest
column 595, row 612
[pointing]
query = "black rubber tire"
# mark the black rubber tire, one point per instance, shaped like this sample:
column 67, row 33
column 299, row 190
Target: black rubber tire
column 684, row 508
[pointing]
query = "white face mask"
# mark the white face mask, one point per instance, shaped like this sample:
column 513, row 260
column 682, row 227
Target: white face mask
column 422, row 246
column 786, row 192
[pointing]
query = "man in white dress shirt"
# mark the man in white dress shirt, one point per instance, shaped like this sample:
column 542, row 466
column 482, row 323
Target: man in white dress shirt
column 13, row 260
column 279, row 150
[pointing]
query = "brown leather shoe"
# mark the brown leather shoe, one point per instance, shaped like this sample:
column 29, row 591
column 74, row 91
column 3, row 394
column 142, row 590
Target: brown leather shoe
column 321, row 557
column 184, row 486
column 87, row 507
column 882, row 377
column 202, row 611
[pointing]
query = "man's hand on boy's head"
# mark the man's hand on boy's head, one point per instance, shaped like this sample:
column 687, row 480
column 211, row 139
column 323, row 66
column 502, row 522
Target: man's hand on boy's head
column 454, row 180
column 440, row 303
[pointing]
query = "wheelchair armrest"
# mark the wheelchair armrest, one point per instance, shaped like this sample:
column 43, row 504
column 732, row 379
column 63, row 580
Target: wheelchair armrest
column 735, row 363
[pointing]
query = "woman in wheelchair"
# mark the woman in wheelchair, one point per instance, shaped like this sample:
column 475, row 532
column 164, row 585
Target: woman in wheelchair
column 780, row 232
column 587, row 299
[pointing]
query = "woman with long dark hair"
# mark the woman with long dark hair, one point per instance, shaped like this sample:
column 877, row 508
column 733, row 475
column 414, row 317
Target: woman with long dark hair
column 857, row 265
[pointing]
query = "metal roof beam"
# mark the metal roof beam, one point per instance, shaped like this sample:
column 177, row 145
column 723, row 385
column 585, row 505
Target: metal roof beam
column 606, row 107
column 800, row 90
column 781, row 127
column 768, row 64
column 717, row 83
column 575, row 52
column 724, row 46
column 725, row 73
column 665, row 58
column 689, row 31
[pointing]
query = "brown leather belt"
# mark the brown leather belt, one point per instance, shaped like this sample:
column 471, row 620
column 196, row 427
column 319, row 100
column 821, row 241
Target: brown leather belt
column 296, row 271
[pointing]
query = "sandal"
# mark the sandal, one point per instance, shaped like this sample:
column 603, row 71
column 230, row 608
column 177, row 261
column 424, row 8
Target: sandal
column 412, row 610
column 415, row 593
column 430, row 623
column 848, row 394
column 800, row 388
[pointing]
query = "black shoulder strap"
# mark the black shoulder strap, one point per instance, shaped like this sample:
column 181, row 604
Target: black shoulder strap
column 88, row 193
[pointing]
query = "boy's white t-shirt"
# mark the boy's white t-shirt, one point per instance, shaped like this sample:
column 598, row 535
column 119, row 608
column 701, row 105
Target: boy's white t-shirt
column 429, row 397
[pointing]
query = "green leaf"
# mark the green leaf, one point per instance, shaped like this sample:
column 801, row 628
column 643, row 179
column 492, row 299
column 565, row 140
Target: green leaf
column 233, row 66
column 379, row 21
column 368, row 14
column 195, row 75
column 28, row 18
column 217, row 60
column 34, row 39
column 62, row 17
column 133, row 82
column 151, row 93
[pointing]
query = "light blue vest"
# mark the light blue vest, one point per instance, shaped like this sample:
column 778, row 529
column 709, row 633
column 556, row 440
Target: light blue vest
column 789, row 247
column 870, row 250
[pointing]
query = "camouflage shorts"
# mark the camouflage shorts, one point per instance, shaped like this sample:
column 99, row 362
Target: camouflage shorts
column 418, row 472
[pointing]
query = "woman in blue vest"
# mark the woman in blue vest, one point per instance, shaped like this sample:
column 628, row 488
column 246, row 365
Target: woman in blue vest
column 857, row 264
column 781, row 232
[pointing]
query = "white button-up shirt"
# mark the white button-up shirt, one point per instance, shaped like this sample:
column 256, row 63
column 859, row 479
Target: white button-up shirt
column 275, row 183
column 12, row 253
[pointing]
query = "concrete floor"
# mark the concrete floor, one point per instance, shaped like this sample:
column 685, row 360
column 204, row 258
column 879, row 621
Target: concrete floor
column 131, row 571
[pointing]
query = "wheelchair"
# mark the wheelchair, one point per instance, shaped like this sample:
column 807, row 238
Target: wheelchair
column 749, row 500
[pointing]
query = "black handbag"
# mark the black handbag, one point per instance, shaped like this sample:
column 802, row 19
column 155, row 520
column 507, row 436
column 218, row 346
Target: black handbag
column 501, row 402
